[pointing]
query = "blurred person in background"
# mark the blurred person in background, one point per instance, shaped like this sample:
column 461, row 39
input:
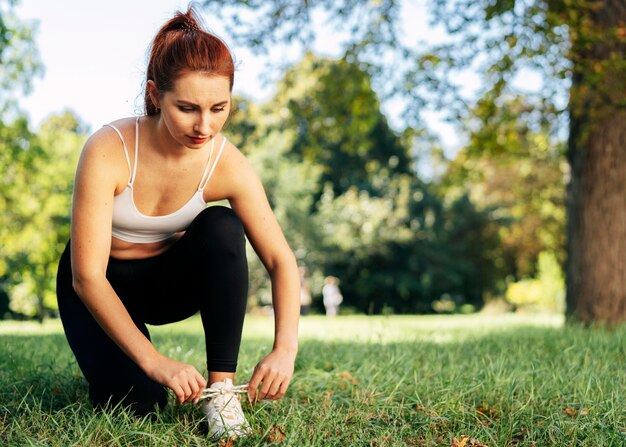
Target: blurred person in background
column 331, row 295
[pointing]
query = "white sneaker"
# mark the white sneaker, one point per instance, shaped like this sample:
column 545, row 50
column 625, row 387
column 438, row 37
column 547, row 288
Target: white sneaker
column 223, row 409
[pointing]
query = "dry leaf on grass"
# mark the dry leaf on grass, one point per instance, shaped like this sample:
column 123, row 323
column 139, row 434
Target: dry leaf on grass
column 466, row 441
column 276, row 434
column 570, row 412
column 347, row 376
column 461, row 443
column 573, row 412
column 487, row 411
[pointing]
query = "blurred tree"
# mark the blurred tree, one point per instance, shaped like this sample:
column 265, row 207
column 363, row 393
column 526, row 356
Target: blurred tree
column 19, row 59
column 403, row 250
column 520, row 175
column 38, row 194
column 19, row 64
column 17, row 156
column 576, row 44
column 289, row 184
column 322, row 129
column 546, row 292
column 338, row 123
column 375, row 225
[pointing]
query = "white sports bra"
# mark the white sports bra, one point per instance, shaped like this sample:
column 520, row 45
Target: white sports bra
column 131, row 226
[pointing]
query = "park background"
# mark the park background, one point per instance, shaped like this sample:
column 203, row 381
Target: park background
column 439, row 157
column 426, row 175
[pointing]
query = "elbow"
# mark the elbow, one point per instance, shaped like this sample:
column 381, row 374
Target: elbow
column 78, row 284
column 82, row 282
column 285, row 261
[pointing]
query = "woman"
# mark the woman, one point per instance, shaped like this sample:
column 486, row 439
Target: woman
column 146, row 249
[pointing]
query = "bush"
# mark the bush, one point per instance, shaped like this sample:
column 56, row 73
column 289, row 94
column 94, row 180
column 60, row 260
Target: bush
column 546, row 292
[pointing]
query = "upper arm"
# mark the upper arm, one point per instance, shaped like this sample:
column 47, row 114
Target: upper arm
column 249, row 201
column 92, row 208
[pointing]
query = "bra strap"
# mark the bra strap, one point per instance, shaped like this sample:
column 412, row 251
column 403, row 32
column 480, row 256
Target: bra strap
column 203, row 180
column 132, row 178
column 130, row 171
column 219, row 154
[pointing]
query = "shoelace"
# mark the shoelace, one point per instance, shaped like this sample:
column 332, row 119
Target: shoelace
column 210, row 393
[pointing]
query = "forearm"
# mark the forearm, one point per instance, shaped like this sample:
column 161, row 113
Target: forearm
column 285, row 297
column 108, row 310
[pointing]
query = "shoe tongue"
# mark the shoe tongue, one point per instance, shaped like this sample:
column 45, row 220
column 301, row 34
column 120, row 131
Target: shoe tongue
column 227, row 383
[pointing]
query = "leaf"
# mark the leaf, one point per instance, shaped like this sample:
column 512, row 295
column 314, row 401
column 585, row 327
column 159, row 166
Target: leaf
column 573, row 412
column 488, row 411
column 347, row 376
column 461, row 443
column 276, row 434
column 570, row 412
column 466, row 441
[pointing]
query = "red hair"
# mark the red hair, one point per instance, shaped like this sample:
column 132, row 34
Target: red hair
column 183, row 45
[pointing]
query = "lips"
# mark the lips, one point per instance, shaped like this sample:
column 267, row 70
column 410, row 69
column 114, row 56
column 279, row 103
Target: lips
column 197, row 140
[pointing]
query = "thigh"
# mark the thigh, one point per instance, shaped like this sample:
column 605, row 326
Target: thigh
column 209, row 257
column 113, row 377
column 163, row 289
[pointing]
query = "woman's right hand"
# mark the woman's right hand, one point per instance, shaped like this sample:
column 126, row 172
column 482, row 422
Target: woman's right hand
column 183, row 379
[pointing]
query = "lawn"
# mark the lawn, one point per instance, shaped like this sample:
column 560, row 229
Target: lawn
column 463, row 381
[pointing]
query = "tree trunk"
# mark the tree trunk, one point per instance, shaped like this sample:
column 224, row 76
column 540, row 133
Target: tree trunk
column 596, row 202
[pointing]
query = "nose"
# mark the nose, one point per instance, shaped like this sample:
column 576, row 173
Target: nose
column 203, row 123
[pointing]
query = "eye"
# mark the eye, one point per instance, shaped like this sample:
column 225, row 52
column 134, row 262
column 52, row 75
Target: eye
column 185, row 109
column 218, row 109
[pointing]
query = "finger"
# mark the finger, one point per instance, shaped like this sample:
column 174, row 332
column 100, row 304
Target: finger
column 201, row 381
column 271, row 394
column 186, row 391
column 283, row 389
column 267, row 383
column 178, row 392
column 253, row 384
column 201, row 386
column 194, row 388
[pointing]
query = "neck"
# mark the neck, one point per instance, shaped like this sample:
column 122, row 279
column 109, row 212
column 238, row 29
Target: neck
column 161, row 141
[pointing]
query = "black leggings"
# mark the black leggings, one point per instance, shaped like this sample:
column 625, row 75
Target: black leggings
column 205, row 270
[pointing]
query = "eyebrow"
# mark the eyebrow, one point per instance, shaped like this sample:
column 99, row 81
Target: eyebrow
column 182, row 101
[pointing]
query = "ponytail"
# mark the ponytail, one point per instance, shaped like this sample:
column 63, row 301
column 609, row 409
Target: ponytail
column 184, row 45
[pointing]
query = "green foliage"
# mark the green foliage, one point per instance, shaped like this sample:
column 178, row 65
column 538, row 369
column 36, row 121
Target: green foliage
column 19, row 59
column 519, row 175
column 546, row 292
column 37, row 195
column 290, row 188
column 337, row 123
column 359, row 381
column 365, row 30
column 340, row 183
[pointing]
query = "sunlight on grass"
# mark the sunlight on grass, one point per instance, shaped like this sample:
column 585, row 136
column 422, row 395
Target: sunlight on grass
column 354, row 328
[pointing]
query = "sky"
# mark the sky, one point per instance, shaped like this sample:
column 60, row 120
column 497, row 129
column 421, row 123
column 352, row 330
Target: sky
column 94, row 55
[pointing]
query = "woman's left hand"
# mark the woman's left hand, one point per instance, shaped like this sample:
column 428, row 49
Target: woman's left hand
column 273, row 373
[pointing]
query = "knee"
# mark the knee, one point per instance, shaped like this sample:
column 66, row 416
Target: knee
column 137, row 399
column 220, row 227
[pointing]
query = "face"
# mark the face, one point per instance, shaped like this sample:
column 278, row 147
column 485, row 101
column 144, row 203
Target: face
column 196, row 108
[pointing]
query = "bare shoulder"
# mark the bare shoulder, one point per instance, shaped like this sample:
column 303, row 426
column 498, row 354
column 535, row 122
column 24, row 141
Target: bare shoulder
column 235, row 169
column 103, row 151
column 106, row 142
column 231, row 153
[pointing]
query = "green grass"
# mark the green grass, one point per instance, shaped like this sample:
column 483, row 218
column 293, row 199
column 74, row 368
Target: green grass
column 359, row 381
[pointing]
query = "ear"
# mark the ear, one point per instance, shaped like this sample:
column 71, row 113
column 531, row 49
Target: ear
column 153, row 91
